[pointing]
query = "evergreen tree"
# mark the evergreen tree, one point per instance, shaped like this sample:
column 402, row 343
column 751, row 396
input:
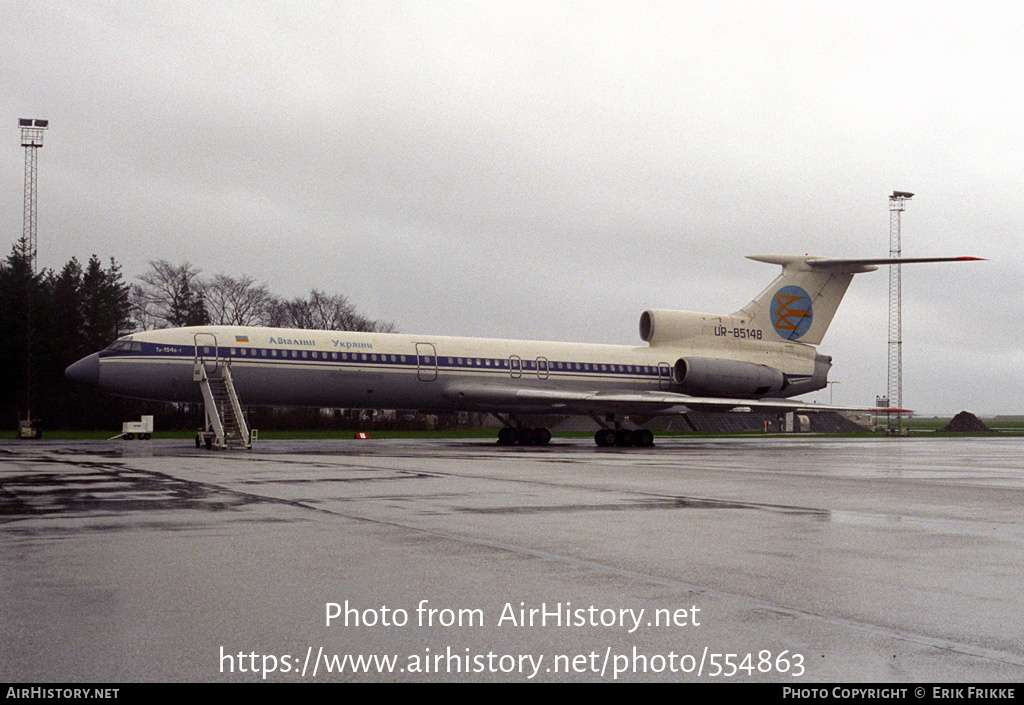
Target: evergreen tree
column 68, row 308
column 48, row 322
column 21, row 292
column 188, row 307
column 106, row 310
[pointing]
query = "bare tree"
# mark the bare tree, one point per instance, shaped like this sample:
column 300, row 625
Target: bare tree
column 238, row 302
column 168, row 295
column 323, row 311
column 175, row 295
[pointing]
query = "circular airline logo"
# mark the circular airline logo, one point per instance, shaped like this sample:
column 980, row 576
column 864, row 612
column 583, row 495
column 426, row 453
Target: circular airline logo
column 791, row 312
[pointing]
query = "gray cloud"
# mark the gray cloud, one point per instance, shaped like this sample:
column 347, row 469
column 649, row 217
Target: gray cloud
column 545, row 170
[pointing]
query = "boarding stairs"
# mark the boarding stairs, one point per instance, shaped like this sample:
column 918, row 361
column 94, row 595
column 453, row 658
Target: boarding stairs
column 226, row 426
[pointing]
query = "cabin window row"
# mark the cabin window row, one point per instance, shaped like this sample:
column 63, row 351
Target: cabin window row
column 317, row 355
column 513, row 364
column 502, row 363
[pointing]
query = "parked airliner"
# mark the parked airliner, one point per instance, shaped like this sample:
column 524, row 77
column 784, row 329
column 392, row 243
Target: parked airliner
column 758, row 357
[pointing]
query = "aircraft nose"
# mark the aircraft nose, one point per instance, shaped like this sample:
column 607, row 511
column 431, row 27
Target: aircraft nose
column 86, row 371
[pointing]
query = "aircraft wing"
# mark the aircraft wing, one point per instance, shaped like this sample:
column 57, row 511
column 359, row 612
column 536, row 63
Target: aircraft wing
column 561, row 401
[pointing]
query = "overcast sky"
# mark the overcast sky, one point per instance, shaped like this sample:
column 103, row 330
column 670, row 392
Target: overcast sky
column 547, row 170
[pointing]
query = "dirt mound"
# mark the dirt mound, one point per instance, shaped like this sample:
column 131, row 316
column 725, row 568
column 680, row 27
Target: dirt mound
column 966, row 422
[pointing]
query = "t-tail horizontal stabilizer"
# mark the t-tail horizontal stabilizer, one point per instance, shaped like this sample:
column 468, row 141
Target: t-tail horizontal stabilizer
column 800, row 304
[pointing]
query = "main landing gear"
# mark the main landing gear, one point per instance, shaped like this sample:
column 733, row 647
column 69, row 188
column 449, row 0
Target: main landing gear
column 624, row 437
column 612, row 434
column 514, row 433
column 524, row 436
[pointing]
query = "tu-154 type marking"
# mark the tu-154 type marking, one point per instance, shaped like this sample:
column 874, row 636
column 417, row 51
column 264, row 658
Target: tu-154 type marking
column 758, row 357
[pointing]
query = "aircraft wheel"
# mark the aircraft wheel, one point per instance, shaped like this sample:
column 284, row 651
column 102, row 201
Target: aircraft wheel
column 506, row 436
column 605, row 437
column 624, row 438
column 525, row 436
column 643, row 438
column 542, row 436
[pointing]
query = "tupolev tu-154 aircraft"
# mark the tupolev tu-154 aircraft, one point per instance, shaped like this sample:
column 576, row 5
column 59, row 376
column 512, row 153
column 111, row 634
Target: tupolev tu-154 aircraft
column 758, row 357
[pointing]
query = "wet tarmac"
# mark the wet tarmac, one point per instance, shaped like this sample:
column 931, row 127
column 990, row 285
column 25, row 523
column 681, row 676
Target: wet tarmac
column 794, row 560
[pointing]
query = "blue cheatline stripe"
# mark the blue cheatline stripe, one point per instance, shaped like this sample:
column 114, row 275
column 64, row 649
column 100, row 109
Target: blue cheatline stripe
column 500, row 366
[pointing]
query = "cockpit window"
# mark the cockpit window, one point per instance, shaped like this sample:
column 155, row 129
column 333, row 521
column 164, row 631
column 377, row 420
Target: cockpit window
column 125, row 346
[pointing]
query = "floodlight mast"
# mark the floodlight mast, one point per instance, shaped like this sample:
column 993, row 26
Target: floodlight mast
column 31, row 139
column 897, row 204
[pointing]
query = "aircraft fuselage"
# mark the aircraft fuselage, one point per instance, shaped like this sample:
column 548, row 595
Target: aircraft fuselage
column 759, row 356
column 398, row 371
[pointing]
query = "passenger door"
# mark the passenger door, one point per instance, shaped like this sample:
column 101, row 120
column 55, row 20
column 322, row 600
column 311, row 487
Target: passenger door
column 426, row 362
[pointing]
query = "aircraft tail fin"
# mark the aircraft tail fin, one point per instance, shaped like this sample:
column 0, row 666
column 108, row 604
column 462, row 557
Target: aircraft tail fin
column 800, row 304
